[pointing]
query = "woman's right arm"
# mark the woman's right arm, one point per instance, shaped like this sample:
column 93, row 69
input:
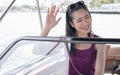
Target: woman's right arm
column 50, row 20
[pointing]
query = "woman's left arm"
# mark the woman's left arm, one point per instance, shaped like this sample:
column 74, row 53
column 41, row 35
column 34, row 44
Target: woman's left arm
column 100, row 60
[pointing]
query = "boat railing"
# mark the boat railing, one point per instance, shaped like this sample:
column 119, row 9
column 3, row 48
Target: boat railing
column 64, row 39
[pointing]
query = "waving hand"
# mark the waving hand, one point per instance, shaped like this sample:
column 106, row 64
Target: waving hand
column 51, row 20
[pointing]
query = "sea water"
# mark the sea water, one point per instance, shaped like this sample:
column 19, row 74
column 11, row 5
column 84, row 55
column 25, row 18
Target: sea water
column 15, row 25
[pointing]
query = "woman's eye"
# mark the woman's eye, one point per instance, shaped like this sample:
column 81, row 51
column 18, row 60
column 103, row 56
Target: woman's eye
column 79, row 20
column 87, row 17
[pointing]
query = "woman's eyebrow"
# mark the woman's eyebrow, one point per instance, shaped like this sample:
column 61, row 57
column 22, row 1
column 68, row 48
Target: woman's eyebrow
column 82, row 17
column 86, row 15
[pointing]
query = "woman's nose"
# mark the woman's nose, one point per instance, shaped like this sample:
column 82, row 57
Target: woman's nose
column 85, row 21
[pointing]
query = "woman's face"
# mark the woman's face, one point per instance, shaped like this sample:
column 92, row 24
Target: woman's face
column 81, row 21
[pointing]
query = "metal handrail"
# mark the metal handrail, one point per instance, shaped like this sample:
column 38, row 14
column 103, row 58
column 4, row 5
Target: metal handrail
column 73, row 39
column 62, row 39
column 105, row 11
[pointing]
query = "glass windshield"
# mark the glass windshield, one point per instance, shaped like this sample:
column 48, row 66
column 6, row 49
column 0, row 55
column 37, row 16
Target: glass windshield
column 28, row 55
column 52, row 58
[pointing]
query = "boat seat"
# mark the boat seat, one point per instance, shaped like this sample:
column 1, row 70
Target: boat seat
column 112, row 57
column 113, row 53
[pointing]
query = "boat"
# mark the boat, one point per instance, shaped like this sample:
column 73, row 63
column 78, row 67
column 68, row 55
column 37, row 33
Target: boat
column 37, row 55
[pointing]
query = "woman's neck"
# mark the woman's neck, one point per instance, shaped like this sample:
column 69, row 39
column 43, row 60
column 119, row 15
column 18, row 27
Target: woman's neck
column 82, row 35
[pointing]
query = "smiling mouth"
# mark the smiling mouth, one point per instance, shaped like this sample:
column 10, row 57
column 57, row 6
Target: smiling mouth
column 86, row 28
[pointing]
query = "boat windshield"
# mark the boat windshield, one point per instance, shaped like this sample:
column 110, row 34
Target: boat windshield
column 35, row 55
column 28, row 56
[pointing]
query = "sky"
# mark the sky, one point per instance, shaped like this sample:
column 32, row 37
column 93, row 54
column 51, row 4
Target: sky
column 17, row 2
column 30, row 2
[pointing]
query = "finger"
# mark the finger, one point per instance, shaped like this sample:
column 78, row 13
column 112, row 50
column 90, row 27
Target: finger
column 53, row 8
column 48, row 12
column 56, row 11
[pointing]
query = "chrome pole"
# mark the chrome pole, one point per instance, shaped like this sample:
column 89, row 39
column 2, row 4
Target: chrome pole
column 39, row 13
column 5, row 12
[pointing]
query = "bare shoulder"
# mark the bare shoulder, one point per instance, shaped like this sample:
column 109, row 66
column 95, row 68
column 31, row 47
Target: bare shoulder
column 98, row 46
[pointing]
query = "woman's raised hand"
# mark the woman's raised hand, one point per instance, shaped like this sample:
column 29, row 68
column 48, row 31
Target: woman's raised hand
column 51, row 17
column 51, row 20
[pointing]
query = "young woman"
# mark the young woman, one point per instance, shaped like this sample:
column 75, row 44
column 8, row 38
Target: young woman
column 86, row 59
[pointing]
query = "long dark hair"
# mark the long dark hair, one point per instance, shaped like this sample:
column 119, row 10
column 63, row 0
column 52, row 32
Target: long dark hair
column 70, row 31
